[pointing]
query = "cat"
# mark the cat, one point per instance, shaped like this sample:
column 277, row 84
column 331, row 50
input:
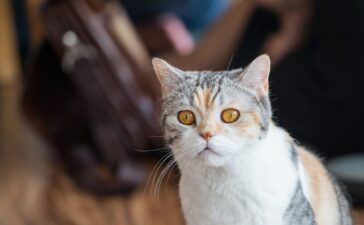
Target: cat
column 238, row 167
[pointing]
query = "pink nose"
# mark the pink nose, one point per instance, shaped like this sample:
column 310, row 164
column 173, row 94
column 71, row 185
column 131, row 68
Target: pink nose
column 206, row 135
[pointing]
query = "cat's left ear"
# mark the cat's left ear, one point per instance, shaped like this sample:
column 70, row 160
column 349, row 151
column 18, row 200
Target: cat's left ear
column 167, row 74
column 256, row 75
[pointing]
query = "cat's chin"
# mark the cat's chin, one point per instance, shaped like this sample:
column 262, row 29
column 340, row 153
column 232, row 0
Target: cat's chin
column 211, row 158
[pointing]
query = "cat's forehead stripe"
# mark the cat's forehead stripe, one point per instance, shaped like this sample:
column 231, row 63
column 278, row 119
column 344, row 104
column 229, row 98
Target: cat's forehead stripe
column 202, row 98
column 207, row 88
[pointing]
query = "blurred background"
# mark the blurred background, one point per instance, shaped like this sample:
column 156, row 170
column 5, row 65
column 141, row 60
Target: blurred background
column 79, row 102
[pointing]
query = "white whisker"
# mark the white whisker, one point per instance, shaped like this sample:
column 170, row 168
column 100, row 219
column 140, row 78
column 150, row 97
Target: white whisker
column 151, row 150
column 153, row 171
column 158, row 168
column 165, row 171
column 231, row 59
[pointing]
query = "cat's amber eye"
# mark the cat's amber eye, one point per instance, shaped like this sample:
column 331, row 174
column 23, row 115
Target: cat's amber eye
column 230, row 115
column 186, row 117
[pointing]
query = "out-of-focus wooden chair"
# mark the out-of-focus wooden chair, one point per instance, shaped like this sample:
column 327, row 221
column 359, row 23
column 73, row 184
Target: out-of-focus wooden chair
column 90, row 93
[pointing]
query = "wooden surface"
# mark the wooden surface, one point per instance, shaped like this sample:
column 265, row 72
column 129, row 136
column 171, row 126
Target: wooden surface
column 32, row 191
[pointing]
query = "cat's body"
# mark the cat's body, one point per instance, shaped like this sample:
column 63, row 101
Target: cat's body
column 237, row 167
column 270, row 185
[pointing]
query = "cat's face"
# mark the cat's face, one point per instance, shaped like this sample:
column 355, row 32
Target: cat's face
column 211, row 117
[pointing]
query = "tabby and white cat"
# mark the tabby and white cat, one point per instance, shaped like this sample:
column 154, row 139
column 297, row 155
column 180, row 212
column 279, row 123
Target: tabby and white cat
column 238, row 167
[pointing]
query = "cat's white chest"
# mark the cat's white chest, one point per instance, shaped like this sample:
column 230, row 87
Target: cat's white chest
column 203, row 207
column 256, row 191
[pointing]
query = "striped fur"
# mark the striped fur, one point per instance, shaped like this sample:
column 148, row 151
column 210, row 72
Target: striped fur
column 299, row 211
column 250, row 172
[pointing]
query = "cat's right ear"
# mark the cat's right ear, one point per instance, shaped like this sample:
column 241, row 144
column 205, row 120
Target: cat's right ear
column 255, row 76
column 168, row 75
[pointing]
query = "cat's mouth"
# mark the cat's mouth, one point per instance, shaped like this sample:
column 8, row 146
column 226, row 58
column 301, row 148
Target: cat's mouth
column 208, row 150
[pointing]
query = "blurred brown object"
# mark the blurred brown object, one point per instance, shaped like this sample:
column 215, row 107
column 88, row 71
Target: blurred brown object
column 88, row 93
column 34, row 23
column 9, row 59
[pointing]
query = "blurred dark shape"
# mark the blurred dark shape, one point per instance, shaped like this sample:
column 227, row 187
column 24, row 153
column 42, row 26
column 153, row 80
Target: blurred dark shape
column 317, row 89
column 86, row 96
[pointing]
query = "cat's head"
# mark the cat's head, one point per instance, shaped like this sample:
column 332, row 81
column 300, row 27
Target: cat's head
column 213, row 116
